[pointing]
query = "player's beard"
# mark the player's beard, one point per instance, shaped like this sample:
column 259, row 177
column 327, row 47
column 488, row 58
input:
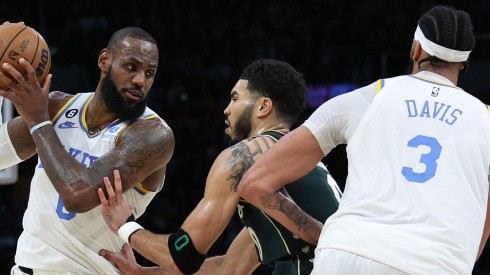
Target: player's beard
column 115, row 101
column 243, row 126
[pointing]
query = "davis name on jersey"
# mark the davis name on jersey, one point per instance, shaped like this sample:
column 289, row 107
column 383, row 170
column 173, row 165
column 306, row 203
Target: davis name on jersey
column 436, row 110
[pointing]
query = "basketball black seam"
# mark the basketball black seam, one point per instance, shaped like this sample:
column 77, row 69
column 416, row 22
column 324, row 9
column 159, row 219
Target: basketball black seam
column 10, row 43
column 35, row 53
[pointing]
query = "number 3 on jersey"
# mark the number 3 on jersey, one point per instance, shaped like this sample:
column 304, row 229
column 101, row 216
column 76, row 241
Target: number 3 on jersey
column 429, row 159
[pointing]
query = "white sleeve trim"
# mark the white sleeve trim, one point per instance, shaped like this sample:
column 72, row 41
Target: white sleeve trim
column 336, row 120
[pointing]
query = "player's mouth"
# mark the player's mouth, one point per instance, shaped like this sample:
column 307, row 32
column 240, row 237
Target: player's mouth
column 134, row 95
column 228, row 129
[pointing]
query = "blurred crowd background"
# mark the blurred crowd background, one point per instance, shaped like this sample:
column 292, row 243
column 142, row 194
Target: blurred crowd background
column 204, row 45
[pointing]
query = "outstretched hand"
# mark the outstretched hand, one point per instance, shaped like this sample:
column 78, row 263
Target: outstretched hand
column 115, row 209
column 124, row 261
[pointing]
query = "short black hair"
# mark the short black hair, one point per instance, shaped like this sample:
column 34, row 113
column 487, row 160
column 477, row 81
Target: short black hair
column 280, row 82
column 133, row 32
column 449, row 28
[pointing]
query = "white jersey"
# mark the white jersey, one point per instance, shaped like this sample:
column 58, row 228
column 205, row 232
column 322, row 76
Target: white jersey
column 59, row 242
column 417, row 186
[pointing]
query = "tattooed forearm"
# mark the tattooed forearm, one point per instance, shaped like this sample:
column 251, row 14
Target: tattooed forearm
column 278, row 201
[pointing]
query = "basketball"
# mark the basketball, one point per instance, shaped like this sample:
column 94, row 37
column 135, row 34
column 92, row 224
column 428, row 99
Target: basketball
column 17, row 41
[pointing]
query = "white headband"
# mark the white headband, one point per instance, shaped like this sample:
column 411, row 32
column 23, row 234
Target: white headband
column 441, row 52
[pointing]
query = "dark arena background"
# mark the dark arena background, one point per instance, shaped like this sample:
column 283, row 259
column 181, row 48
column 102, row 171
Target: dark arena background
column 337, row 44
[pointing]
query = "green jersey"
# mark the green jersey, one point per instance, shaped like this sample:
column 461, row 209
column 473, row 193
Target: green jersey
column 316, row 193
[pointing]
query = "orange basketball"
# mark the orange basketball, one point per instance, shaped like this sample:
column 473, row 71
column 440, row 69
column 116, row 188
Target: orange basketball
column 18, row 40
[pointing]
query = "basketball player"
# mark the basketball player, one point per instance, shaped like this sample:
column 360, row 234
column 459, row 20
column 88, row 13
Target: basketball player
column 264, row 103
column 80, row 139
column 419, row 156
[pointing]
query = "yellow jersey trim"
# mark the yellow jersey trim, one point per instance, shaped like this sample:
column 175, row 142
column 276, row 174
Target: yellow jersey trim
column 140, row 189
column 65, row 106
column 84, row 113
column 379, row 85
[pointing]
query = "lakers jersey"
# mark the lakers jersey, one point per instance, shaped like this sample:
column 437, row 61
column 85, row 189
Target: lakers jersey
column 272, row 240
column 417, row 187
column 55, row 240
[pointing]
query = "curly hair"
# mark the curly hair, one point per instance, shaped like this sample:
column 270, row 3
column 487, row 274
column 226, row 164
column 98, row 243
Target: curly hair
column 280, row 82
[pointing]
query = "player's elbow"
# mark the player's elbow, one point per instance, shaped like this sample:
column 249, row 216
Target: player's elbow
column 76, row 203
column 76, row 206
column 77, row 196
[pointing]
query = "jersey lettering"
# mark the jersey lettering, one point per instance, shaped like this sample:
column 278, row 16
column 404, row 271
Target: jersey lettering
column 435, row 110
column 61, row 211
column 254, row 237
column 429, row 159
column 181, row 242
column 85, row 159
column 240, row 210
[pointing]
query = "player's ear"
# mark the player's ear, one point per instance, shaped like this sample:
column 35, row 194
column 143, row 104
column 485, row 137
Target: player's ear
column 104, row 60
column 416, row 52
column 265, row 106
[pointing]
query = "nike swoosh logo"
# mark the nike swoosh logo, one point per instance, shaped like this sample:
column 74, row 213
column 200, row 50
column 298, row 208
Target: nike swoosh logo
column 64, row 126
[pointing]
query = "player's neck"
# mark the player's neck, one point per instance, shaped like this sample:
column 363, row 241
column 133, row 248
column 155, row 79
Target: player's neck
column 451, row 72
column 98, row 115
column 280, row 127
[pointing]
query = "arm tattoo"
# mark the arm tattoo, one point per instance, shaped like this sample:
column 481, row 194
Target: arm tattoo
column 144, row 147
column 141, row 154
column 242, row 158
column 240, row 161
column 278, row 201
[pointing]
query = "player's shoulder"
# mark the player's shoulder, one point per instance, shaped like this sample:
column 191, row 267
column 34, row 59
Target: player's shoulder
column 57, row 100
column 147, row 139
column 152, row 130
column 369, row 91
column 236, row 152
column 150, row 126
column 58, row 96
column 259, row 143
column 246, row 151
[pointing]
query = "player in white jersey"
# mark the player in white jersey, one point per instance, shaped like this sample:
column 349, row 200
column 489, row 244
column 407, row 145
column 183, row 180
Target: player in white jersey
column 79, row 140
column 416, row 195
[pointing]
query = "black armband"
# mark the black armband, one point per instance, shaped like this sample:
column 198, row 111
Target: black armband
column 184, row 253
column 131, row 218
